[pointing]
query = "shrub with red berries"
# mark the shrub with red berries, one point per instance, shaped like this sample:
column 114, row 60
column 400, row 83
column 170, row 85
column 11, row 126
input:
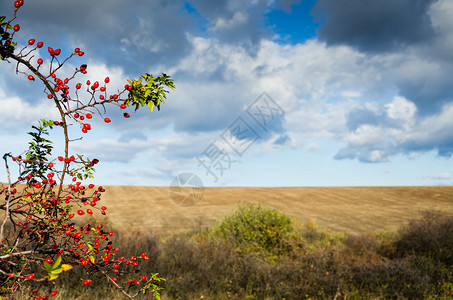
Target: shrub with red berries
column 39, row 235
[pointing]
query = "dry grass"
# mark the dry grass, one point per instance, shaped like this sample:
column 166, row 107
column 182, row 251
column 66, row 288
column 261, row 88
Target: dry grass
column 347, row 209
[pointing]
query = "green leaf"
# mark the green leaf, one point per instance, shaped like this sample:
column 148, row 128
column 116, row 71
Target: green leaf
column 91, row 259
column 151, row 106
column 48, row 267
column 56, row 272
column 57, row 262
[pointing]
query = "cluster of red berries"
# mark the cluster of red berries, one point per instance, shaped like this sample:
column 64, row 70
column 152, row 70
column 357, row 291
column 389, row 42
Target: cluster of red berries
column 83, row 69
column 67, row 159
column 18, row 3
column 31, row 42
column 78, row 52
column 82, row 117
column 35, row 293
column 53, row 52
column 56, row 123
column 94, row 161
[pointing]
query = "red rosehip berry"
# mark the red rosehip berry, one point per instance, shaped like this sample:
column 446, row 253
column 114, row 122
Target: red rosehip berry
column 40, row 61
column 40, row 44
column 123, row 106
column 103, row 208
column 76, row 115
column 107, row 80
column 88, row 82
column 107, row 120
column 78, row 86
column 126, row 115
column 57, row 52
column 89, row 211
column 80, row 53
column 16, row 4
column 80, row 212
column 16, row 27
column 88, row 116
column 30, row 77
column 30, row 277
column 51, row 51
column 31, row 41
column 60, row 158
column 49, row 260
column 76, row 50
column 53, row 293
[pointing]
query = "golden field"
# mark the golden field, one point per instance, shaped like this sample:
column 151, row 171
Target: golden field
column 348, row 209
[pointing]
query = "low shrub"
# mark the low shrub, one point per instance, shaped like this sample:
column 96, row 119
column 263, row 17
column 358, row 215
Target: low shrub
column 431, row 236
column 254, row 228
column 320, row 265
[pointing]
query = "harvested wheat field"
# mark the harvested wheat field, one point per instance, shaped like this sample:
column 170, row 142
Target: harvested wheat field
column 349, row 209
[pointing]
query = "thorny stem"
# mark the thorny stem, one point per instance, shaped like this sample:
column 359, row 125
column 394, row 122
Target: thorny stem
column 114, row 283
column 60, row 109
column 8, row 197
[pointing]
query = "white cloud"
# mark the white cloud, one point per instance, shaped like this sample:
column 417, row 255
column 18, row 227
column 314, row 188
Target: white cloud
column 401, row 108
column 238, row 19
column 15, row 112
column 443, row 176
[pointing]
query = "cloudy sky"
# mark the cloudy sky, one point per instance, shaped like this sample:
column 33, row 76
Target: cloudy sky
column 268, row 92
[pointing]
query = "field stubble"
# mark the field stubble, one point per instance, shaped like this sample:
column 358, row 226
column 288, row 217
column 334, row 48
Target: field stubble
column 346, row 209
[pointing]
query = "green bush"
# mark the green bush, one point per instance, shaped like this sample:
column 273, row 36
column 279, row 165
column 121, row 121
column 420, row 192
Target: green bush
column 254, row 228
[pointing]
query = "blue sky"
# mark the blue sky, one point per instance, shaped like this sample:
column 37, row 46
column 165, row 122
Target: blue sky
column 352, row 92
